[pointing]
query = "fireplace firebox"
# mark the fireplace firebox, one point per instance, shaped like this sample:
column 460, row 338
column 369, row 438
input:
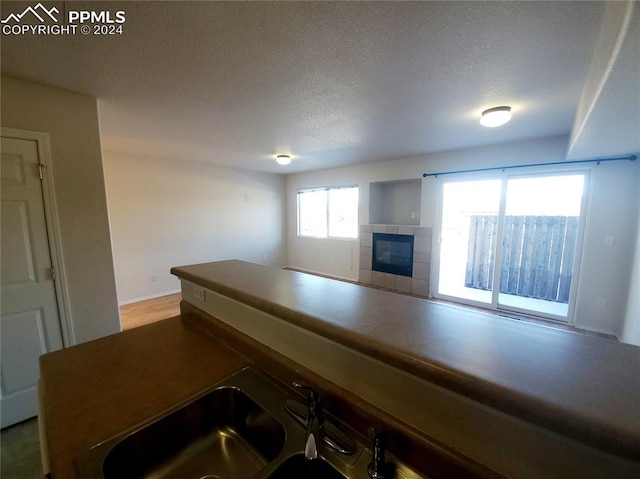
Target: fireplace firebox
column 393, row 253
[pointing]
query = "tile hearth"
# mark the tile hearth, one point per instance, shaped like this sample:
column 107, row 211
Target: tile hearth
column 418, row 284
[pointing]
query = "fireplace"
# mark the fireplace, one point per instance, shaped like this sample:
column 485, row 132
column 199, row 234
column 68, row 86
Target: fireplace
column 414, row 279
column 393, row 253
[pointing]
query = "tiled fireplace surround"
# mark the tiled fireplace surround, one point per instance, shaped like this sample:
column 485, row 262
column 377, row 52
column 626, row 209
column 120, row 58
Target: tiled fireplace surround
column 418, row 284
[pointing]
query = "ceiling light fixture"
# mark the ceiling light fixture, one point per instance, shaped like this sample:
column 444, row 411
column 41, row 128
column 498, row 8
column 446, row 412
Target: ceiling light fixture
column 496, row 116
column 283, row 159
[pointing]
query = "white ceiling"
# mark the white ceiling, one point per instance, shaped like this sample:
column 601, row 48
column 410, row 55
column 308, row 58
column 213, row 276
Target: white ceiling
column 331, row 83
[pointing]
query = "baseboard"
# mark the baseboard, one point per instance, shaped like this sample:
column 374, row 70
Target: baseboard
column 145, row 298
column 598, row 331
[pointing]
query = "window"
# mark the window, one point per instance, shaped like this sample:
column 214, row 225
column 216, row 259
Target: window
column 330, row 212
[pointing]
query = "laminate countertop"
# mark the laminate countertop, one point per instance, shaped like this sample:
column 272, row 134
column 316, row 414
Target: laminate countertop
column 96, row 390
column 583, row 387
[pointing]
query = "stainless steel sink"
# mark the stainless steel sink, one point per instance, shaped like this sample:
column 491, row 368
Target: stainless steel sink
column 224, row 433
column 237, row 429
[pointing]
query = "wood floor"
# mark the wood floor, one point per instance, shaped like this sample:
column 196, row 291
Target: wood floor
column 145, row 312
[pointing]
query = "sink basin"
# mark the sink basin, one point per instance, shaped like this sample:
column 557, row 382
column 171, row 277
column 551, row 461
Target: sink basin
column 297, row 466
column 223, row 434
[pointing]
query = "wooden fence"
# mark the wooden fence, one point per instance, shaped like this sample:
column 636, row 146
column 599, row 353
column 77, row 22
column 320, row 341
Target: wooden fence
column 537, row 255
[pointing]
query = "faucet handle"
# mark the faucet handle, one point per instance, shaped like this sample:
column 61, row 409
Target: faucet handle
column 377, row 466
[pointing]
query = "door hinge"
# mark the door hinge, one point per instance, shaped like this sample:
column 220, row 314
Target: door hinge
column 41, row 168
column 54, row 275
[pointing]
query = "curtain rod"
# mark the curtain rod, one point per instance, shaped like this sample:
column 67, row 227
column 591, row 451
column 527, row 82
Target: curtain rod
column 503, row 168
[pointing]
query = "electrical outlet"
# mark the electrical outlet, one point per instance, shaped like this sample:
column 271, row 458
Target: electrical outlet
column 198, row 293
column 600, row 303
column 608, row 240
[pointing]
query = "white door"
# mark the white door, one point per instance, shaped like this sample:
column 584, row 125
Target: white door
column 29, row 321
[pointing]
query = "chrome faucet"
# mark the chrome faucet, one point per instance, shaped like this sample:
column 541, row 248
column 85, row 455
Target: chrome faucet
column 377, row 466
column 314, row 423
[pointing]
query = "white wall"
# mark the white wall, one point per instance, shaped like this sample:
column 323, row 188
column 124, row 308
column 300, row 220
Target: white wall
column 72, row 123
column 613, row 212
column 606, row 270
column 168, row 213
column 631, row 329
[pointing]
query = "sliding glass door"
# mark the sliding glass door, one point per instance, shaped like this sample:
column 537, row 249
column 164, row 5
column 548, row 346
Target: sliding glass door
column 511, row 242
column 540, row 234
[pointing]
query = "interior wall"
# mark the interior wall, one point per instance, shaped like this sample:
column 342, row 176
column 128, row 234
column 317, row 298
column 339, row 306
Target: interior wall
column 340, row 258
column 606, row 268
column 71, row 120
column 613, row 212
column 167, row 213
column 631, row 328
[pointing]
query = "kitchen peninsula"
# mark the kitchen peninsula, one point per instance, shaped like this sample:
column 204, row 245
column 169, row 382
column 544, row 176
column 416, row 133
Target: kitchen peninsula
column 462, row 394
column 504, row 393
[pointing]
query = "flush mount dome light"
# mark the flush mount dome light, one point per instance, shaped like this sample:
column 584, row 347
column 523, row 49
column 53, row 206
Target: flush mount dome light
column 496, row 116
column 283, row 159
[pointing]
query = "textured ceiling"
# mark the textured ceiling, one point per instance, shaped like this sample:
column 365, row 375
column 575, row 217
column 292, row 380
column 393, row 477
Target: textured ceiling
column 331, row 83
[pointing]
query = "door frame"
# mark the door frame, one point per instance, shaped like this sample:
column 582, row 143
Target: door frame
column 53, row 226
